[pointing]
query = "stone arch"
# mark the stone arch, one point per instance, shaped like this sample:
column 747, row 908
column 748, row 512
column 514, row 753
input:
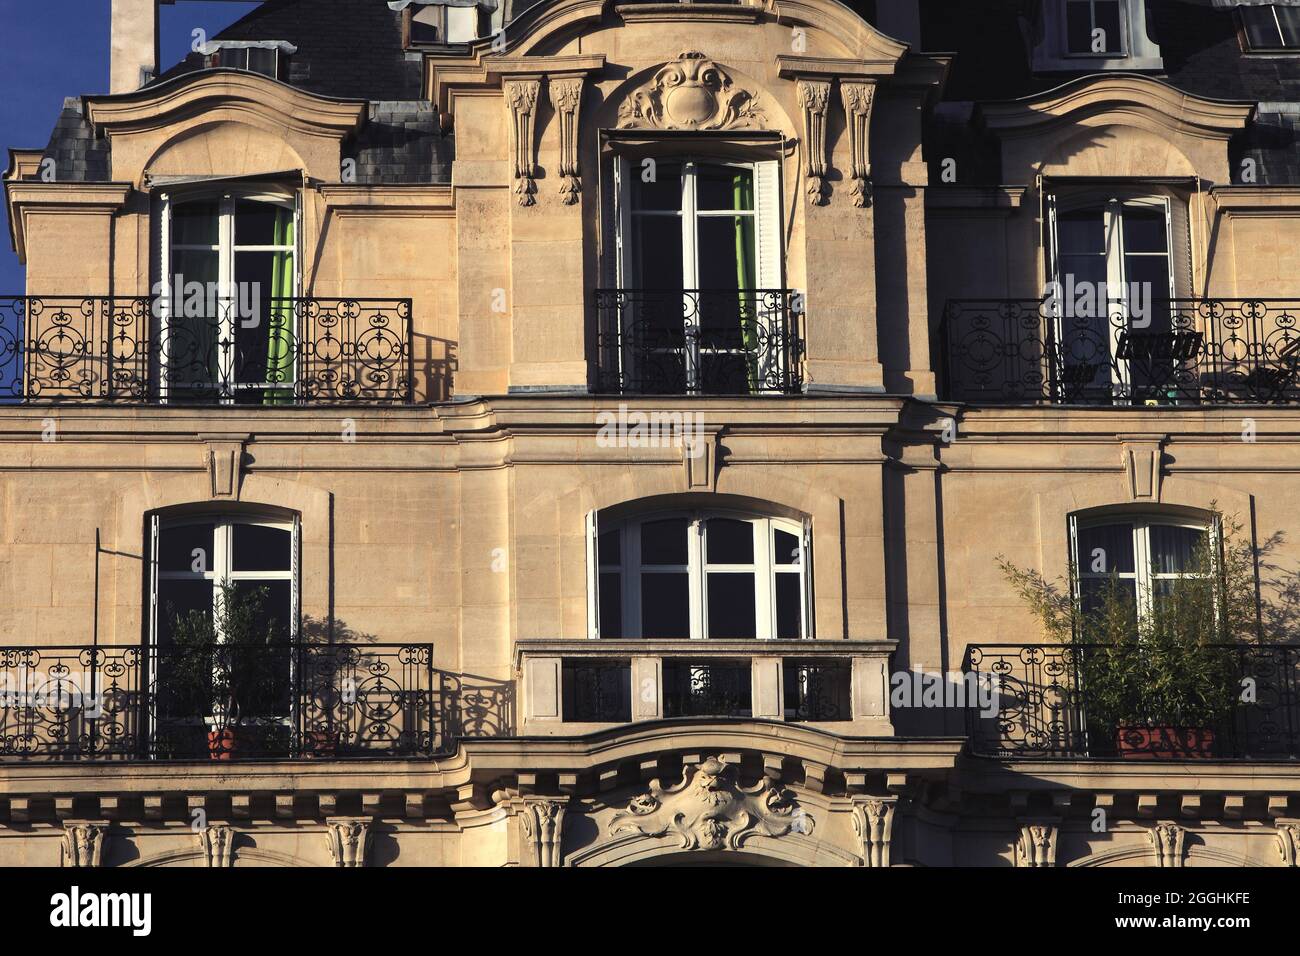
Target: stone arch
column 247, row 146
column 1117, row 150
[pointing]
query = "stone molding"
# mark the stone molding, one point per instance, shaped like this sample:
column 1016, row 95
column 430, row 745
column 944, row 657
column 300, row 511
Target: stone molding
column 691, row 93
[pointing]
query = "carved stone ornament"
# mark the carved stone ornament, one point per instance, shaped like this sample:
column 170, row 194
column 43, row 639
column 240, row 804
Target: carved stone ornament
column 709, row 811
column 566, row 100
column 694, row 93
column 873, row 822
column 858, row 95
column 1037, row 845
column 83, row 844
column 1288, row 842
column 216, row 841
column 349, row 840
column 542, row 820
column 1167, row 839
column 814, row 95
column 521, row 98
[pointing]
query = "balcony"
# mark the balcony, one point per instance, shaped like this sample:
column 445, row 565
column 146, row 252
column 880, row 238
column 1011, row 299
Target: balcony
column 574, row 687
column 280, row 351
column 699, row 342
column 1042, row 708
column 322, row 701
column 1181, row 352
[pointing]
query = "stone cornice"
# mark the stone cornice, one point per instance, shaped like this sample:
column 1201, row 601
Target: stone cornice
column 679, row 12
column 1258, row 200
column 211, row 90
column 584, row 647
column 1112, row 97
column 830, row 67
column 23, row 197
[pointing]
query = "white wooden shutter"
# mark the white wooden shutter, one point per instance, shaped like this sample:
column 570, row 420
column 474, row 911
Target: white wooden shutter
column 767, row 231
column 295, row 573
column 806, row 571
column 1052, row 255
column 153, row 579
column 161, row 280
column 615, row 223
column 1074, row 558
column 1179, row 238
column 593, row 576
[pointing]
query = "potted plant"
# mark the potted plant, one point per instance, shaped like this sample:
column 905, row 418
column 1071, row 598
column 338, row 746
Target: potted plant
column 225, row 667
column 1156, row 683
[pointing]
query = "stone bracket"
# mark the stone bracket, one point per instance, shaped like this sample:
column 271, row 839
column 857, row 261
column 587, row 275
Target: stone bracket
column 521, row 99
column 873, row 822
column 224, row 461
column 1036, row 847
column 566, row 99
column 1142, row 456
column 858, row 97
column 814, row 96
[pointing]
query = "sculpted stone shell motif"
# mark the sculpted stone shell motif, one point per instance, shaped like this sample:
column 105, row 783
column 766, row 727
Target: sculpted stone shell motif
column 692, row 92
column 709, row 811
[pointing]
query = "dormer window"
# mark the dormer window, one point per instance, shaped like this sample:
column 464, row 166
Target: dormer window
column 447, row 21
column 1270, row 28
column 1091, row 35
column 266, row 57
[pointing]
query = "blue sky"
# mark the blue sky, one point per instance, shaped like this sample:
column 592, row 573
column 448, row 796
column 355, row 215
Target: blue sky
column 58, row 48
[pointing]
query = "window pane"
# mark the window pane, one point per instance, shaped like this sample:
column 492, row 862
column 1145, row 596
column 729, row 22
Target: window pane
column 1105, row 549
column 1144, row 230
column 194, row 224
column 658, row 243
column 194, row 266
column 1106, row 14
column 1081, row 232
column 1173, row 549
column 262, row 61
column 665, row 606
column 177, row 545
column 233, row 58
column 273, row 603
column 1078, row 25
column 787, row 548
column 611, row 605
column 261, row 224
column 731, row 605
column 1094, row 590
column 729, row 541
column 177, row 599
column 664, row 192
column 609, row 546
column 259, row 548
column 1261, row 27
column 664, row 541
column 724, row 187
column 789, row 607
column 726, row 256
column 1289, row 18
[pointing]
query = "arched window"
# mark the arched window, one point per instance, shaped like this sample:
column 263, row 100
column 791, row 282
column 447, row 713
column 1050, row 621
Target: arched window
column 1145, row 554
column 702, row 575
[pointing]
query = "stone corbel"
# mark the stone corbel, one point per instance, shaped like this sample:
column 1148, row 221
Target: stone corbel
column 542, row 820
column 1036, row 846
column 83, row 844
column 1288, row 842
column 216, row 841
column 566, row 99
column 873, row 822
column 1168, row 841
column 1142, row 456
column 349, row 840
column 858, row 95
column 224, row 459
column 521, row 98
column 814, row 95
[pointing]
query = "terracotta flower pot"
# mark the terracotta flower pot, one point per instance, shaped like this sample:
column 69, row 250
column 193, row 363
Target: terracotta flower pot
column 320, row 743
column 223, row 744
column 1135, row 742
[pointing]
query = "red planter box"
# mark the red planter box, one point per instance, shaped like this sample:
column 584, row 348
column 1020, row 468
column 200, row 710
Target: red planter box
column 1164, row 743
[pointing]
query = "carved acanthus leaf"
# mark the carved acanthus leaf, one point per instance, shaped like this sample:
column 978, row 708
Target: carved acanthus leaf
column 692, row 92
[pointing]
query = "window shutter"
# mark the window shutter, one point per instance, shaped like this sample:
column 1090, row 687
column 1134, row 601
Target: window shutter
column 767, row 206
column 806, row 571
column 161, row 283
column 593, row 576
column 295, row 572
column 1179, row 236
column 153, row 579
column 614, row 213
column 1051, row 255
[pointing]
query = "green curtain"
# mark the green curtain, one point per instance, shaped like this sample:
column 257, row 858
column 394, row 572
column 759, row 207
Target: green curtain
column 282, row 314
column 743, row 198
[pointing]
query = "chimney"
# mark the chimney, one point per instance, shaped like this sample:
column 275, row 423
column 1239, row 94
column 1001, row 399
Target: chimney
column 134, row 44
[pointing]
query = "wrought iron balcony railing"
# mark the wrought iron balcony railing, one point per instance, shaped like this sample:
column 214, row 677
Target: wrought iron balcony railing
column 173, row 703
column 818, row 690
column 696, row 688
column 1178, row 352
column 1042, row 708
column 271, row 351
column 699, row 342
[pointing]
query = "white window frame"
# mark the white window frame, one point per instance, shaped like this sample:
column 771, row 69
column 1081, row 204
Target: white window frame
column 1143, row 575
column 228, row 200
column 764, row 568
column 1051, row 52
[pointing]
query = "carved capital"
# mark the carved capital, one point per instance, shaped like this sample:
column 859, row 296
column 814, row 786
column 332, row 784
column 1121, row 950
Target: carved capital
column 692, row 92
column 709, row 810
column 858, row 96
column 521, row 99
column 1036, row 846
column 83, row 844
column 349, row 840
column 873, row 822
column 566, row 100
column 1168, row 841
column 1288, row 842
column 542, row 819
column 814, row 95
column 217, row 840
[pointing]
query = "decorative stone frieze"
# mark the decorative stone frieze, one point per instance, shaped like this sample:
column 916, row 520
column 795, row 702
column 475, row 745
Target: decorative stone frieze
column 691, row 93
column 814, row 95
column 566, row 99
column 708, row 810
column 542, row 819
column 521, row 98
column 858, row 96
column 873, row 822
column 1036, row 846
column 217, row 841
column 83, row 844
column 349, row 840
column 1168, row 841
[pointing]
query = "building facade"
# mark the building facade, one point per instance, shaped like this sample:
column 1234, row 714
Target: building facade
column 617, row 412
